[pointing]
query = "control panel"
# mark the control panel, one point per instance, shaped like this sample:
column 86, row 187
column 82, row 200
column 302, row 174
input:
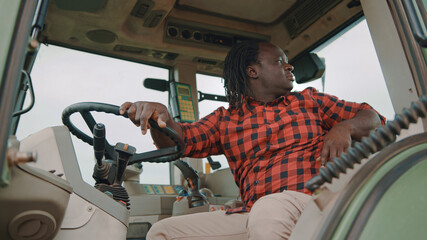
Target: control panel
column 185, row 102
column 156, row 189
column 203, row 35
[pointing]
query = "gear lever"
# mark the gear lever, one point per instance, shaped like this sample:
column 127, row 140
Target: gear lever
column 103, row 172
column 195, row 197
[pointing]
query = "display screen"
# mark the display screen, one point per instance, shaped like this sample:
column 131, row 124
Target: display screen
column 183, row 91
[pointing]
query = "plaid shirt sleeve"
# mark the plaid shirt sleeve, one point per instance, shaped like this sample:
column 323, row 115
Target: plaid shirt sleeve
column 335, row 110
column 202, row 138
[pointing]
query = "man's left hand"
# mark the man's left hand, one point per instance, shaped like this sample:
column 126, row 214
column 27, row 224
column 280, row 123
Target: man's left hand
column 335, row 142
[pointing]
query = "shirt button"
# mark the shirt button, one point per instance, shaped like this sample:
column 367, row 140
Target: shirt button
column 256, row 182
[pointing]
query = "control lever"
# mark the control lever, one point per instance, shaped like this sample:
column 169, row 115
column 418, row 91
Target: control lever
column 99, row 142
column 214, row 164
column 125, row 153
column 104, row 171
column 195, row 197
column 112, row 186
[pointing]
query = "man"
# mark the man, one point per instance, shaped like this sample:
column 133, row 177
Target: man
column 272, row 138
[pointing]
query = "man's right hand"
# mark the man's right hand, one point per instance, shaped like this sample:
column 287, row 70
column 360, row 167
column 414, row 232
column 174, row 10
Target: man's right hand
column 139, row 113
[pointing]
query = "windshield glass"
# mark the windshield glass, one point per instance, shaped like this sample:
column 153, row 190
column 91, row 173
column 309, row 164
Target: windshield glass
column 62, row 77
column 211, row 85
column 353, row 71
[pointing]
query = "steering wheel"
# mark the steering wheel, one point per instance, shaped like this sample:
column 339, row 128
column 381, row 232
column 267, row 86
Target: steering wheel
column 84, row 108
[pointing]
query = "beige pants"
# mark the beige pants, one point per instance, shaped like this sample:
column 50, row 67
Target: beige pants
column 271, row 217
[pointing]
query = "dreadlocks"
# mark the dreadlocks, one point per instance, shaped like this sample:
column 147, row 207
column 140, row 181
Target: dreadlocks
column 236, row 81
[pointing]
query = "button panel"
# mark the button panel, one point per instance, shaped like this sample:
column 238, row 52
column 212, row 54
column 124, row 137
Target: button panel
column 185, row 102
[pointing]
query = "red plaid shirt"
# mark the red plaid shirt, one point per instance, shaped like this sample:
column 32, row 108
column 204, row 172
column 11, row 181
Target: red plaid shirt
column 271, row 147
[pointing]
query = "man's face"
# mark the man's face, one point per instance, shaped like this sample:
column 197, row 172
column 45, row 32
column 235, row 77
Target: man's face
column 273, row 70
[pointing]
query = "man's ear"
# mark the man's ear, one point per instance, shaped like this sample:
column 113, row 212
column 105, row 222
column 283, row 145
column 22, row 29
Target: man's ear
column 252, row 71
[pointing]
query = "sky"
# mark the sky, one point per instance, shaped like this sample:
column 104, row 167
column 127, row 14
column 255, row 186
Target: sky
column 62, row 77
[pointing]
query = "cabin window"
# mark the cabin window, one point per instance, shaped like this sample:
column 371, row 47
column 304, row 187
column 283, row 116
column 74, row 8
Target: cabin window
column 211, row 85
column 63, row 76
column 353, row 71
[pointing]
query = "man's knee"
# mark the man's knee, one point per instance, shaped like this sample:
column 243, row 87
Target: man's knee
column 274, row 216
column 157, row 231
column 275, row 204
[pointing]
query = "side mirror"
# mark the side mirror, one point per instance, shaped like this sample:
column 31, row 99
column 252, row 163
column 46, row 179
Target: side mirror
column 308, row 67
